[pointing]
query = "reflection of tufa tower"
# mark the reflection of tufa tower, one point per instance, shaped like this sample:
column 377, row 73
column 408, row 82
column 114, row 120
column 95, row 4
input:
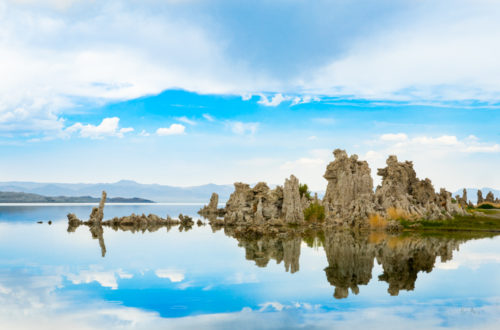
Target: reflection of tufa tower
column 404, row 257
column 350, row 261
column 351, row 255
column 263, row 249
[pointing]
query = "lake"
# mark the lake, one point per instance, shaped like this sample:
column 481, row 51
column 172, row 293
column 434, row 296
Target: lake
column 206, row 278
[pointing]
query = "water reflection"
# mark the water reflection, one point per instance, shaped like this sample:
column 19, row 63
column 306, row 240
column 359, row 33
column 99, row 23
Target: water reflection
column 350, row 255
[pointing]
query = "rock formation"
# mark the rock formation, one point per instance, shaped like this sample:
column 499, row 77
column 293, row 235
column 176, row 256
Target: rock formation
column 98, row 212
column 349, row 193
column 292, row 205
column 211, row 211
column 480, row 199
column 255, row 205
column 462, row 201
column 349, row 198
column 401, row 190
column 490, row 198
column 261, row 205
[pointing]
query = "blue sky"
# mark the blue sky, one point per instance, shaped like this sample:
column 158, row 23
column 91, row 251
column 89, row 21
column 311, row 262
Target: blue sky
column 192, row 92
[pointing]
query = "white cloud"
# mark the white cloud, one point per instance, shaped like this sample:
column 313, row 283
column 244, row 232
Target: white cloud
column 186, row 120
column 483, row 149
column 449, row 143
column 246, row 96
column 272, row 305
column 144, row 133
column 442, row 158
column 394, row 137
column 174, row 129
column 443, row 55
column 123, row 274
column 105, row 279
column 274, row 101
column 172, row 275
column 242, row 128
column 305, row 99
column 208, row 117
column 108, row 127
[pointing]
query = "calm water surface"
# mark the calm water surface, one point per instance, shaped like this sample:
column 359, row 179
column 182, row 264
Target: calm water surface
column 54, row 279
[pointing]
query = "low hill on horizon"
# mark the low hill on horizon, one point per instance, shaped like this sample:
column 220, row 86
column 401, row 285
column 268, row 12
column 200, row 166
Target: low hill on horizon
column 21, row 197
column 123, row 188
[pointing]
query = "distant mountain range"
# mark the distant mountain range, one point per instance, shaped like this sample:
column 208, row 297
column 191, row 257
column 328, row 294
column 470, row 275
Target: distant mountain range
column 124, row 188
column 21, row 197
column 472, row 193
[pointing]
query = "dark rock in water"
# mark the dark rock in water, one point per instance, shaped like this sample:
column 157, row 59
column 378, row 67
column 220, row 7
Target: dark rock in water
column 199, row 223
column 39, row 222
column 211, row 211
column 50, row 222
column 98, row 212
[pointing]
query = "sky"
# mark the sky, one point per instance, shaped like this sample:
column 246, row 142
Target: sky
column 193, row 92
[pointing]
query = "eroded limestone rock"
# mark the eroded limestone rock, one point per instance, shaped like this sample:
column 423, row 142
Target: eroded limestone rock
column 480, row 197
column 490, row 198
column 402, row 191
column 292, row 205
column 349, row 193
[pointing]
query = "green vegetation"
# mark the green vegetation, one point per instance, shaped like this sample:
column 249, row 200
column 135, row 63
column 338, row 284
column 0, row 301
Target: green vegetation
column 304, row 190
column 478, row 222
column 486, row 206
column 314, row 213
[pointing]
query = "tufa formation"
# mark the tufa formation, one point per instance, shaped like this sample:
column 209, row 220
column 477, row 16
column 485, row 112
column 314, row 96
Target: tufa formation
column 349, row 200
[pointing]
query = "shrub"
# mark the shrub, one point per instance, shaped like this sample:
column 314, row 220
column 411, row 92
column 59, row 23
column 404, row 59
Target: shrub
column 304, row 190
column 487, row 206
column 314, row 213
column 394, row 213
column 377, row 221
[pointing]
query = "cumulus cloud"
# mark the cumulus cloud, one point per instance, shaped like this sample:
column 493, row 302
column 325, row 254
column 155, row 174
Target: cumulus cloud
column 449, row 143
column 305, row 99
column 173, row 276
column 106, row 279
column 72, row 53
column 108, row 127
column 274, row 101
column 394, row 137
column 174, row 129
column 242, row 128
